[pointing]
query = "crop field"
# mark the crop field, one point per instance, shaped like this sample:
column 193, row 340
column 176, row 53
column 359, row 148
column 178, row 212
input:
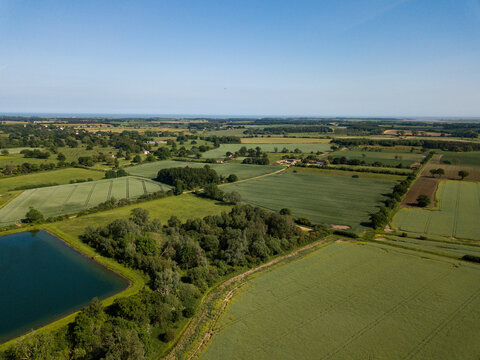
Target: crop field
column 352, row 301
column 304, row 147
column 457, row 214
column 322, row 198
column 243, row 171
column 62, row 176
column 387, row 157
column 450, row 248
column 451, row 171
column 283, row 140
column 186, row 206
column 71, row 198
column 471, row 158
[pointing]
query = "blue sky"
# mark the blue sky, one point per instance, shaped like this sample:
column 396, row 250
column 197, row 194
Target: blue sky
column 244, row 57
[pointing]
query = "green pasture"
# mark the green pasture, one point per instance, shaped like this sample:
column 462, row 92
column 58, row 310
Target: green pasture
column 243, row 171
column 72, row 198
column 62, row 176
column 353, row 301
column 457, row 214
column 322, row 198
column 186, row 206
column 471, row 158
column 386, row 157
column 305, row 147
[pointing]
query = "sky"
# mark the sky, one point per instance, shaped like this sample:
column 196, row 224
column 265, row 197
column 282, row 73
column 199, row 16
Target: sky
column 400, row 58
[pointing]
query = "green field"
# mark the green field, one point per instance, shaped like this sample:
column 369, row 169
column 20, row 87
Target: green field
column 306, row 148
column 186, row 206
column 322, row 198
column 457, row 215
column 71, row 198
column 62, row 176
column 386, row 157
column 352, row 301
column 243, row 171
column 471, row 158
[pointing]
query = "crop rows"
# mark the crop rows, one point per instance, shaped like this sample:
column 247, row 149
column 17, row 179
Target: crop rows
column 67, row 199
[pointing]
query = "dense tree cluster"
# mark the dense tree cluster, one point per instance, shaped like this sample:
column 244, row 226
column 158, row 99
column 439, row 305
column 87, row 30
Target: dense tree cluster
column 447, row 145
column 189, row 178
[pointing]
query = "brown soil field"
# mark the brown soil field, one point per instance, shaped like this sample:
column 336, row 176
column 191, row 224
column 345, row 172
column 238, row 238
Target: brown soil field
column 451, row 171
column 410, row 133
column 423, row 185
column 427, row 184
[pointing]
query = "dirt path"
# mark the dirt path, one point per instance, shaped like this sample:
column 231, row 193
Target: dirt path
column 197, row 320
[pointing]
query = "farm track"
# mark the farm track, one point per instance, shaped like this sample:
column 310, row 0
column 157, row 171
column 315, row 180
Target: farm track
column 109, row 195
column 89, row 195
column 455, row 214
column 145, row 192
column 127, row 189
column 67, row 199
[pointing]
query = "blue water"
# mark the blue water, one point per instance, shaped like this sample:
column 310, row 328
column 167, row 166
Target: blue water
column 42, row 279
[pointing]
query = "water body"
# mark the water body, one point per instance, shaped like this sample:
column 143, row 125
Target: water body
column 42, row 279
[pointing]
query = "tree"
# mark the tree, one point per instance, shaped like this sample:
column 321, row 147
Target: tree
column 232, row 178
column 33, row 216
column 440, row 172
column 463, row 174
column 232, row 197
column 139, row 216
column 5, row 152
column 285, row 211
column 212, row 191
column 137, row 159
column 423, row 200
column 178, row 188
column 61, row 157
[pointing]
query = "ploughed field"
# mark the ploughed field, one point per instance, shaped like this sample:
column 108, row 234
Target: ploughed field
column 322, row 198
column 304, row 147
column 72, row 198
column 386, row 156
column 243, row 171
column 352, row 301
column 457, row 214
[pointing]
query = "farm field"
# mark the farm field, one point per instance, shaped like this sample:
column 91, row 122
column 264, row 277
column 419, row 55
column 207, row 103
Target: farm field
column 306, row 148
column 345, row 173
column 62, row 176
column 71, row 198
column 457, row 214
column 387, row 157
column 186, row 206
column 445, row 248
column 451, row 171
column 337, row 302
column 283, row 140
column 322, row 198
column 471, row 158
column 243, row 171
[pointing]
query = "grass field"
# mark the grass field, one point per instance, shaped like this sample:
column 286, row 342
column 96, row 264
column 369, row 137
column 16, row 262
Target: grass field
column 306, row 148
column 243, row 171
column 71, row 198
column 387, row 157
column 62, row 176
column 471, row 158
column 349, row 301
column 187, row 206
column 457, row 214
column 320, row 197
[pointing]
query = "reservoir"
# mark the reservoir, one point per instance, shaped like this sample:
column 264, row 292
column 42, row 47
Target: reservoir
column 42, row 280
